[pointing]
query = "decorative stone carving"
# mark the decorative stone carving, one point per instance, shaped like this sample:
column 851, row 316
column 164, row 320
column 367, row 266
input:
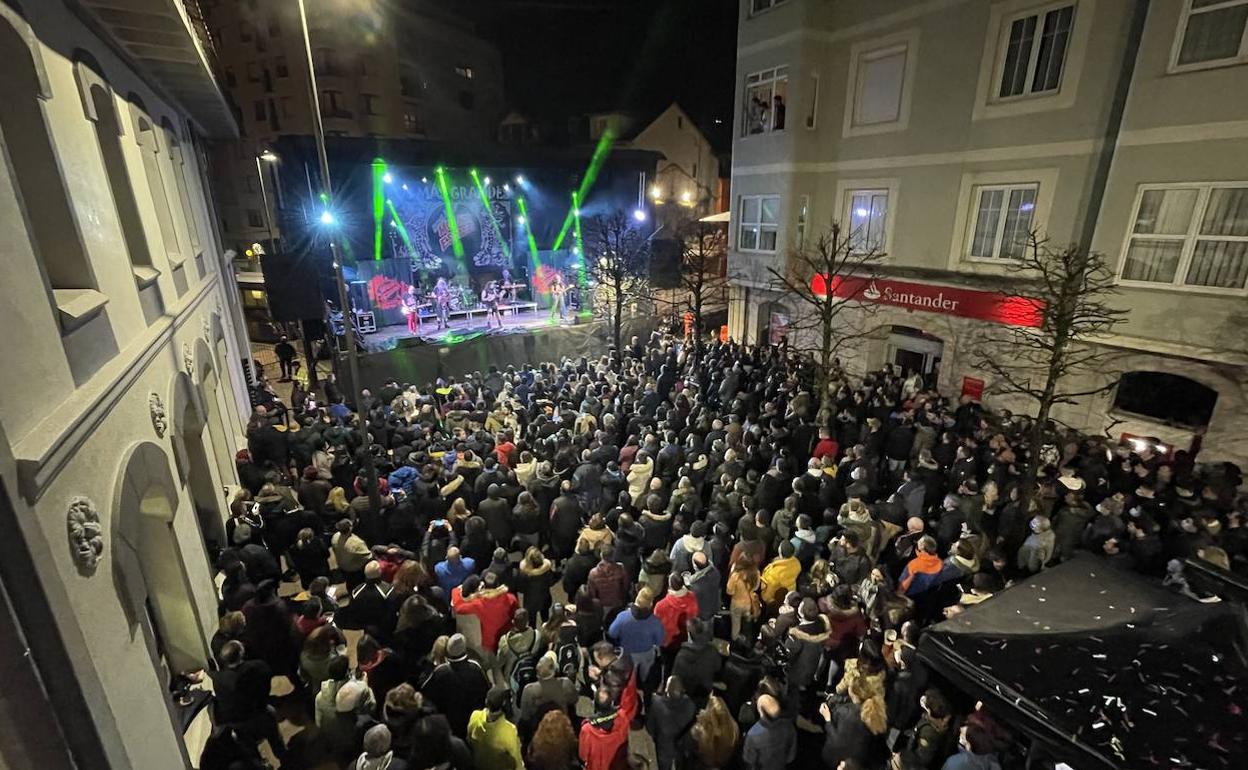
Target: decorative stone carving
column 207, row 324
column 188, row 358
column 86, row 536
column 160, row 420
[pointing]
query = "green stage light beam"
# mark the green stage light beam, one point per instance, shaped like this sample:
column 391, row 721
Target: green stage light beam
column 606, row 143
column 398, row 225
column 379, row 204
column 528, row 230
column 450, row 213
column 485, row 203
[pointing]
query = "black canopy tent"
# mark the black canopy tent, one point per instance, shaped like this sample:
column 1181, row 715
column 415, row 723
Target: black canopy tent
column 1105, row 669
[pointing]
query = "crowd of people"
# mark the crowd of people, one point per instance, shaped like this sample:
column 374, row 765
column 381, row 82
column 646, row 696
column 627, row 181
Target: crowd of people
column 676, row 542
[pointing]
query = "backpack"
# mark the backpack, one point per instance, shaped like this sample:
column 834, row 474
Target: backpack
column 523, row 674
column 568, row 660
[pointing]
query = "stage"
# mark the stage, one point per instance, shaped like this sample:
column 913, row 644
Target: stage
column 466, row 325
column 394, row 353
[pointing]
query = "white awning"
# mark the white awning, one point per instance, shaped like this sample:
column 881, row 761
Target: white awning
column 725, row 217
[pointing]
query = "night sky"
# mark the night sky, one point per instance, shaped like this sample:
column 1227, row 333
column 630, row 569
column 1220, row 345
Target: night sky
column 567, row 56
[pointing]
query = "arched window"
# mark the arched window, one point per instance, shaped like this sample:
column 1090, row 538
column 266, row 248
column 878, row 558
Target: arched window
column 150, row 145
column 29, row 153
column 100, row 105
column 1168, row 398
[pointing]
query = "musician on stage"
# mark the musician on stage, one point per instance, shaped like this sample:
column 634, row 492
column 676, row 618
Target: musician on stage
column 411, row 309
column 557, row 290
column 491, row 295
column 442, row 302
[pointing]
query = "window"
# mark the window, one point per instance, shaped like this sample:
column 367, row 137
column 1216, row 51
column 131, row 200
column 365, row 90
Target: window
column 279, row 64
column 259, row 110
column 812, row 101
column 1168, row 398
column 370, row 104
column 150, row 148
column 1033, row 51
column 1190, row 235
column 680, row 123
column 286, row 103
column 758, row 6
column 275, row 27
column 244, row 32
column 464, row 71
column 803, row 216
column 1213, row 33
column 765, row 95
column 1001, row 224
column 331, row 105
column 261, row 45
column 412, row 123
column 878, row 88
column 254, row 218
column 760, row 215
column 253, row 71
column 867, row 215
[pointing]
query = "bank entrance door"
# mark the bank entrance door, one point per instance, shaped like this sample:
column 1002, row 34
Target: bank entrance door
column 913, row 350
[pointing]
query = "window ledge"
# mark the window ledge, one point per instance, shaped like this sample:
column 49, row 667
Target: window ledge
column 145, row 276
column 77, row 306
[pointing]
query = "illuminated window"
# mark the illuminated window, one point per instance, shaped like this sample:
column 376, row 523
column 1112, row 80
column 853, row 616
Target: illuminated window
column 759, row 222
column 866, row 211
column 766, row 98
column 1001, row 225
column 464, row 71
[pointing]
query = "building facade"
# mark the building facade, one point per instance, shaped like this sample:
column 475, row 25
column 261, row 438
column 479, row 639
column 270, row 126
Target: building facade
column 398, row 70
column 122, row 395
column 943, row 131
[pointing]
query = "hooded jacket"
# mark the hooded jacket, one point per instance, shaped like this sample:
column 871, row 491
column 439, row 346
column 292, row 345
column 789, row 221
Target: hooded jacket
column 639, row 474
column 780, row 577
column 535, row 582
column 922, row 573
column 494, row 742
column 603, row 743
column 706, row 584
column 805, row 646
column 683, row 551
column 674, row 611
column 697, row 663
column 608, row 583
column 493, row 608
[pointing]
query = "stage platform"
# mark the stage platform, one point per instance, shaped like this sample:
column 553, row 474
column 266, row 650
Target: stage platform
column 524, row 317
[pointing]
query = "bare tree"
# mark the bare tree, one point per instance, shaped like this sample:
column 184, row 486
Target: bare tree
column 830, row 279
column 1070, row 290
column 617, row 264
column 703, row 279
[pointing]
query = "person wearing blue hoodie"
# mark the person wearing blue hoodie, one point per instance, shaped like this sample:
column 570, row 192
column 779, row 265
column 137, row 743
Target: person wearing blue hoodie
column 638, row 633
column 974, row 752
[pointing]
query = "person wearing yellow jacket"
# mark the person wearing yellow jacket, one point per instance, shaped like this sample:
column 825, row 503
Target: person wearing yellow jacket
column 492, row 737
column 780, row 576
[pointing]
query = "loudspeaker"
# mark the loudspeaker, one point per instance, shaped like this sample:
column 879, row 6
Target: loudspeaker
column 665, row 256
column 293, row 285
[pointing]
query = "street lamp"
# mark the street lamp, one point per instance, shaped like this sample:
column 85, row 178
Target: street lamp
column 327, row 195
column 267, row 156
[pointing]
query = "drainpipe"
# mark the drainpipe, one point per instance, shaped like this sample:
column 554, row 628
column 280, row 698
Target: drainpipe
column 1095, row 194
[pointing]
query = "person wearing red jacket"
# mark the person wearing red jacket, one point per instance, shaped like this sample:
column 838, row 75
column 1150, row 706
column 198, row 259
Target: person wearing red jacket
column 603, row 742
column 674, row 610
column 827, row 446
column 493, row 604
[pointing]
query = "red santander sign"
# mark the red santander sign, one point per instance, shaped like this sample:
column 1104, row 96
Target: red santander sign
column 967, row 303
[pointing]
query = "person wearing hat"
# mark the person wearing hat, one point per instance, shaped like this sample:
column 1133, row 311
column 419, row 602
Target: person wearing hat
column 551, row 689
column 352, row 716
column 1037, row 549
column 493, row 738
column 458, row 686
column 377, row 754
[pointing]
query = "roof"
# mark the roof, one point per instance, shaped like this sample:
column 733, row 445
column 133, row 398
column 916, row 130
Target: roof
column 1106, row 667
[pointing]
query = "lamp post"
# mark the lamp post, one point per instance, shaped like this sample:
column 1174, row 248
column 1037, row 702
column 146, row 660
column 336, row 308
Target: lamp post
column 327, row 193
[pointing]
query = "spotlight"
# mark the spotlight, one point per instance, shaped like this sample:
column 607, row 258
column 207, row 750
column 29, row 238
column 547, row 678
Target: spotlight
column 861, row 212
column 424, row 180
column 519, row 178
column 405, row 186
column 639, row 215
column 685, row 197
column 576, row 250
column 268, row 156
column 387, row 178
column 393, row 223
column 506, row 187
column 327, row 218
column 655, row 192
column 486, row 181
column 576, row 212
column 521, row 219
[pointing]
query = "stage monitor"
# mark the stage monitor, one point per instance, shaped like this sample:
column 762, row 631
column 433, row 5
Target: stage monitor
column 293, row 287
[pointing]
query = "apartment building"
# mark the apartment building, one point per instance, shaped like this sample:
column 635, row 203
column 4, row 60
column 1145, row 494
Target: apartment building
column 122, row 394
column 409, row 70
column 942, row 131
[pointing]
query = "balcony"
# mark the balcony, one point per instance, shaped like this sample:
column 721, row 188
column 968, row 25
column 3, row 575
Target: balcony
column 168, row 40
